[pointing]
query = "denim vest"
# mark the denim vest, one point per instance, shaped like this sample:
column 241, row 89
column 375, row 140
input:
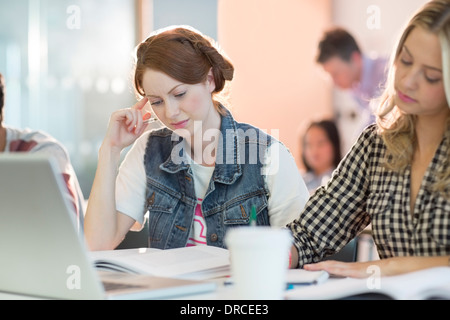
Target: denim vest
column 236, row 185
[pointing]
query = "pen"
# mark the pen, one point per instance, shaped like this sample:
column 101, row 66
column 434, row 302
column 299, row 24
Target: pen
column 253, row 216
column 150, row 120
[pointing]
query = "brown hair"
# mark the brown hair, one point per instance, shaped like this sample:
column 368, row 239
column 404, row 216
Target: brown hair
column 184, row 54
column 336, row 42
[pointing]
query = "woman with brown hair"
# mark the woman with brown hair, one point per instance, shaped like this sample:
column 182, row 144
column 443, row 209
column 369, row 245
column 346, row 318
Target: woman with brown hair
column 199, row 175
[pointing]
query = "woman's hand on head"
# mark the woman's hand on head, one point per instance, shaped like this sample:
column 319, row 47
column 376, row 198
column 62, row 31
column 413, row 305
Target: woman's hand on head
column 126, row 125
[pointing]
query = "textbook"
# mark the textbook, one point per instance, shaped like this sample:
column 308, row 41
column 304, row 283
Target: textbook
column 432, row 283
column 193, row 263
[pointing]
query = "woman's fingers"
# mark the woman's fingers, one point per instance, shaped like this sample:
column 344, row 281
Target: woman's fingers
column 140, row 104
column 147, row 116
column 140, row 115
column 131, row 119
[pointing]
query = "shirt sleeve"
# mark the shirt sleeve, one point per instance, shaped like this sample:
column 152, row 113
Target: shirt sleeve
column 336, row 212
column 40, row 142
column 74, row 194
column 288, row 192
column 131, row 181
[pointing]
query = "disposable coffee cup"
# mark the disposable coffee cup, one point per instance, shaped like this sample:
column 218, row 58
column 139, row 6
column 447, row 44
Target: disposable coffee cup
column 259, row 261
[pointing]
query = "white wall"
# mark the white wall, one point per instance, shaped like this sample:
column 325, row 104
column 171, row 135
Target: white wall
column 277, row 84
column 375, row 23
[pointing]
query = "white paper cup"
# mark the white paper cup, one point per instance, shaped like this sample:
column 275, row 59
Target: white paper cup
column 259, row 261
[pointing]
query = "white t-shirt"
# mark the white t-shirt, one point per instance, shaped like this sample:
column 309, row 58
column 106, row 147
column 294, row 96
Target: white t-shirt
column 287, row 191
column 202, row 176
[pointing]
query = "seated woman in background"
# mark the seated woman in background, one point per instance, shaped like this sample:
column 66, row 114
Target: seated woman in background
column 321, row 153
column 397, row 175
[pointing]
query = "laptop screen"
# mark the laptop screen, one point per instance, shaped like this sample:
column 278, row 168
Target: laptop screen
column 41, row 251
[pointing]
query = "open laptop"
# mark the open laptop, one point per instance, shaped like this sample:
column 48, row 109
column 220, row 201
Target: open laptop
column 43, row 254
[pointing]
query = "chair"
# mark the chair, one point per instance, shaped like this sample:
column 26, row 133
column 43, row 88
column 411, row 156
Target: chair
column 135, row 239
column 347, row 254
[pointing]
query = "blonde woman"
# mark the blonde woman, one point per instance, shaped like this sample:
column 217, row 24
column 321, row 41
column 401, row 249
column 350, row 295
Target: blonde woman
column 397, row 175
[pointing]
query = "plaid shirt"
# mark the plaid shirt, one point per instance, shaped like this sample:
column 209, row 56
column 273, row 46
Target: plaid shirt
column 362, row 191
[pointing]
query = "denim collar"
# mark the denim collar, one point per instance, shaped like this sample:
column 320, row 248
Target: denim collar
column 227, row 169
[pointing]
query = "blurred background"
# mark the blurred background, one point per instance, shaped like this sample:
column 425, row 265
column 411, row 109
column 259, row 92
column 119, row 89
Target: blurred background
column 68, row 63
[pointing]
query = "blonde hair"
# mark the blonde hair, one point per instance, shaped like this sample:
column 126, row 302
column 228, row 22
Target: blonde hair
column 398, row 129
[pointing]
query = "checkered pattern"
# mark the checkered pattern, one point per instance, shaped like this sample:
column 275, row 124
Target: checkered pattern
column 363, row 191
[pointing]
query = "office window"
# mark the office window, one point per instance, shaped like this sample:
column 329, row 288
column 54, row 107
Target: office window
column 67, row 66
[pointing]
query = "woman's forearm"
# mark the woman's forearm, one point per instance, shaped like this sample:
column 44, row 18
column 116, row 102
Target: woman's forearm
column 387, row 267
column 100, row 224
column 399, row 265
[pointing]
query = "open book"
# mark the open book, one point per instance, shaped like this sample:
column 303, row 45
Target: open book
column 194, row 263
column 433, row 283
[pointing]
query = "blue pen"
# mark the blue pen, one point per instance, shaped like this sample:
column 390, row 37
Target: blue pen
column 253, row 216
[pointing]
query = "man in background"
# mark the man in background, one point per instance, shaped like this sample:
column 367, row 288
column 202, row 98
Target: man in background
column 32, row 141
column 363, row 77
column 341, row 57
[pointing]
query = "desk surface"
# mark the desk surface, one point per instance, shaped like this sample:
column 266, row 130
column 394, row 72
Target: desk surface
column 227, row 292
column 223, row 292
